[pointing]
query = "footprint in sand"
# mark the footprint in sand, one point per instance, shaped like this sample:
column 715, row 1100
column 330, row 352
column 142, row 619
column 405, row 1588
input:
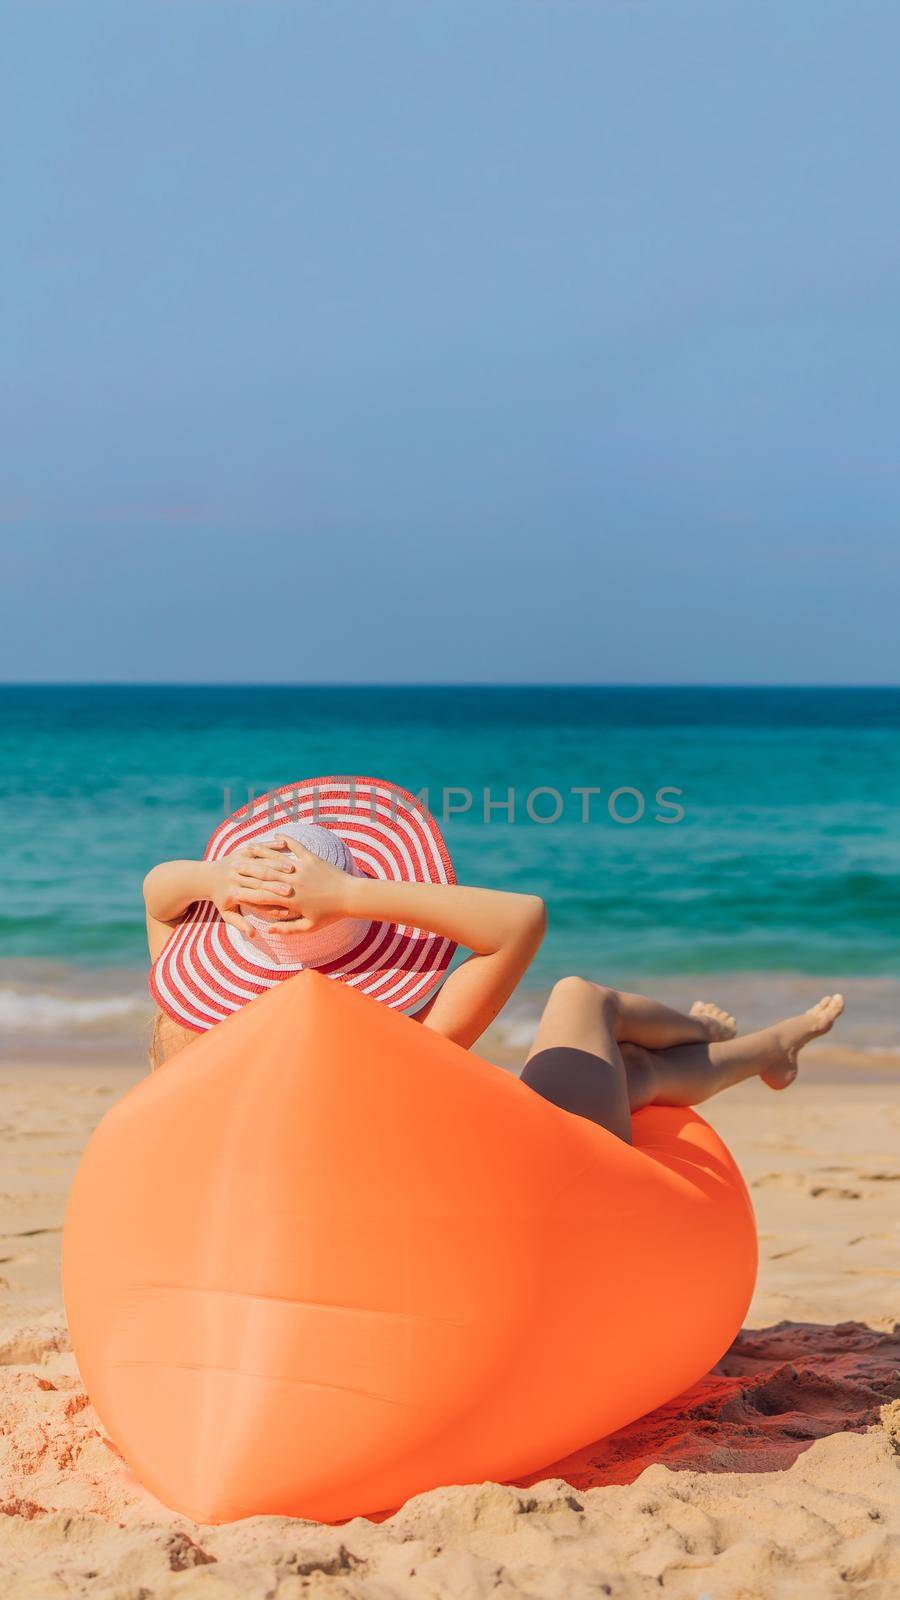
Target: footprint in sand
column 801, row 1183
column 833, row 1191
column 32, row 1344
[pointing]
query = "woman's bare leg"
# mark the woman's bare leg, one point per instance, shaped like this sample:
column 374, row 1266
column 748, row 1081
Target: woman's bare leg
column 590, row 1058
column 641, row 1020
column 689, row 1074
column 575, row 1060
column 635, row 1017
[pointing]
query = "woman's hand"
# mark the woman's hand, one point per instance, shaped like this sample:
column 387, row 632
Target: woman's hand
column 316, row 893
column 256, row 875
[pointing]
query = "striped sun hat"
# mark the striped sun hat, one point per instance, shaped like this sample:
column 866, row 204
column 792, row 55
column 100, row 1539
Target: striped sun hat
column 364, row 825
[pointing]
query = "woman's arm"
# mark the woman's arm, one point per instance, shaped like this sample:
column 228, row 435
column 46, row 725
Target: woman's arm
column 502, row 930
column 173, row 886
column 168, row 891
column 255, row 875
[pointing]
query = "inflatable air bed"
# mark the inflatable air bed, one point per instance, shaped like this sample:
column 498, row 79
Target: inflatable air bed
column 325, row 1259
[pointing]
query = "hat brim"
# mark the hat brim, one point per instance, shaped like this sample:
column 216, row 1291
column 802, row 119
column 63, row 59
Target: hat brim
column 207, row 971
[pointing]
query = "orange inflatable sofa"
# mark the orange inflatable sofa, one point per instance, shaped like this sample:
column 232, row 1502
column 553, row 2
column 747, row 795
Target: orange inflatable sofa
column 326, row 1259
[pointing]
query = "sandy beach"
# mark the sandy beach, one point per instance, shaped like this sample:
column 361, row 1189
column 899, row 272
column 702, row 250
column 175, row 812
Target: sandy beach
column 449, row 514
column 779, row 1475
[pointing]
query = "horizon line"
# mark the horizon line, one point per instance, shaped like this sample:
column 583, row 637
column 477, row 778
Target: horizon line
column 436, row 683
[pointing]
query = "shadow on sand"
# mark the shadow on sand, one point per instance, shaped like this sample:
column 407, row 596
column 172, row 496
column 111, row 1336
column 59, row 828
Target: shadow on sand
column 771, row 1396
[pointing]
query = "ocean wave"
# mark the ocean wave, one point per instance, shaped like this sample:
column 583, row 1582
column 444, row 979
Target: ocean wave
column 52, row 1013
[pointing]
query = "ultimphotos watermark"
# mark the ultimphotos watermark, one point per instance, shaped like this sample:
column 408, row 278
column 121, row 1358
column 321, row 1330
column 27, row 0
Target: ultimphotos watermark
column 544, row 805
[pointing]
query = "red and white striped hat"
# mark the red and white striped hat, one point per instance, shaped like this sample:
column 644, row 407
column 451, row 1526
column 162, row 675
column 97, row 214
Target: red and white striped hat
column 209, row 970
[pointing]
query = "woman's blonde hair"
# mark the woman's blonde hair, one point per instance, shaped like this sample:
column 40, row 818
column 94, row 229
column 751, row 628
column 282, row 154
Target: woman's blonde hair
column 167, row 1037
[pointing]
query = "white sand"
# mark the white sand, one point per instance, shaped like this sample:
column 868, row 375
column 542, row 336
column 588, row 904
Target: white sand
column 778, row 1476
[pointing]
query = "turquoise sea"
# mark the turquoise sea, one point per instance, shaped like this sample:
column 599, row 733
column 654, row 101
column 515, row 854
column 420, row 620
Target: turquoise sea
column 786, row 860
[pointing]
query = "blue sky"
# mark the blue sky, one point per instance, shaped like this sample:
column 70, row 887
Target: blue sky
column 542, row 340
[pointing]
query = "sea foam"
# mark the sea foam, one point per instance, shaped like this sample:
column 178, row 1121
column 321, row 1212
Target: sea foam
column 52, row 1013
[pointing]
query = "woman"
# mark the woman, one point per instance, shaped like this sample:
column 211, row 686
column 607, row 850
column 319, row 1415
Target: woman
column 358, row 883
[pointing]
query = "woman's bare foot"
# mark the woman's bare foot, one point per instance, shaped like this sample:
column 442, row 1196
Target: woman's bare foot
column 788, row 1039
column 719, row 1024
